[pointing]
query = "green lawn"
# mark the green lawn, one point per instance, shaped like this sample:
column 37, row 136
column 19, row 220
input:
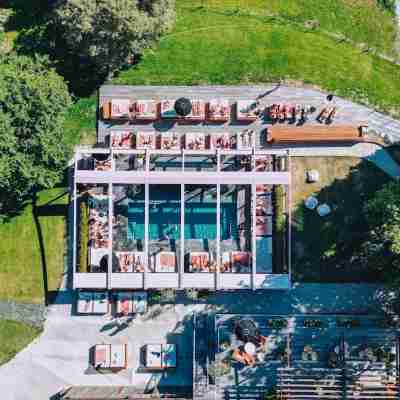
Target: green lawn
column 217, row 44
column 14, row 336
column 21, row 277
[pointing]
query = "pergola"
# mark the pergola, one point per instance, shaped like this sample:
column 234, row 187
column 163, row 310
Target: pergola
column 182, row 177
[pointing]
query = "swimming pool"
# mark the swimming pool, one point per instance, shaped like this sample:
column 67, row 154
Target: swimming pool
column 165, row 217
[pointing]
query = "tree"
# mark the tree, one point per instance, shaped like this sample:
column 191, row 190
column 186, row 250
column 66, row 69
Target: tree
column 33, row 146
column 103, row 34
column 383, row 247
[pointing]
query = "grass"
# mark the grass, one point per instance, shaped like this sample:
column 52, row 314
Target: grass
column 21, row 277
column 326, row 249
column 14, row 336
column 236, row 42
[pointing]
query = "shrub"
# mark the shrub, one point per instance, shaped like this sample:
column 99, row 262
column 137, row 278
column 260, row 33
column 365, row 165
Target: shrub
column 279, row 253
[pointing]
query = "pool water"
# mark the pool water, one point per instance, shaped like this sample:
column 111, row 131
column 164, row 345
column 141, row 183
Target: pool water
column 164, row 218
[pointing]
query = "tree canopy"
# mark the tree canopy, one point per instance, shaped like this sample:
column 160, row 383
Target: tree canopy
column 33, row 148
column 383, row 249
column 103, row 34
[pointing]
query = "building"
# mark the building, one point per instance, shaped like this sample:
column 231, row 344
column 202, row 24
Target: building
column 192, row 201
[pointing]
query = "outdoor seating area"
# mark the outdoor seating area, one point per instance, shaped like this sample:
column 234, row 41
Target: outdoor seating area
column 291, row 113
column 130, row 303
column 118, row 303
column 158, row 357
column 111, row 357
column 92, row 302
column 130, row 261
column 98, row 221
column 308, row 356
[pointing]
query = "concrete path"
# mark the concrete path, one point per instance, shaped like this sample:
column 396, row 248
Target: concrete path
column 369, row 151
column 59, row 357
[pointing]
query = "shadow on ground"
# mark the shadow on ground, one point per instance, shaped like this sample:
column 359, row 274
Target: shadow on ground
column 327, row 249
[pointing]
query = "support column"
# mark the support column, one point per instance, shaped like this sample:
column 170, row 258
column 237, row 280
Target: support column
column 146, row 233
column 289, row 222
column 75, row 244
column 218, row 261
column 182, row 238
column 110, row 234
column 253, row 235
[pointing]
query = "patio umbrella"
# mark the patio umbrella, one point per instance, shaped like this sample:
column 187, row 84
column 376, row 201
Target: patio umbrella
column 246, row 329
column 183, row 106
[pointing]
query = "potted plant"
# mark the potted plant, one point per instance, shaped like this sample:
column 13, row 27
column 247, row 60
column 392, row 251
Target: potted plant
column 278, row 323
column 219, row 368
column 312, row 323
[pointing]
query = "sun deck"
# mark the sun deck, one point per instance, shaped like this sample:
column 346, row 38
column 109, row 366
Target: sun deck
column 181, row 202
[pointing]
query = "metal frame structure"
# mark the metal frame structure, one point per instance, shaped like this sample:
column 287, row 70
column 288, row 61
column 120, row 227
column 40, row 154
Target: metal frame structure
column 181, row 280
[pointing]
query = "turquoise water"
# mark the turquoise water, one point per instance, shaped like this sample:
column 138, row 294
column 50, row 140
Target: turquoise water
column 164, row 218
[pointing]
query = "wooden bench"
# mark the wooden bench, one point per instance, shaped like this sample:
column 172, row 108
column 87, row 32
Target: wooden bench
column 314, row 134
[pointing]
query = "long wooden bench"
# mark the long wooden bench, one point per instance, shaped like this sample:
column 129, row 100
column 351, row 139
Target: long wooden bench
column 314, row 134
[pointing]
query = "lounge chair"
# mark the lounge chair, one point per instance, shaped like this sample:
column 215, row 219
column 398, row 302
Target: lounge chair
column 199, row 261
column 240, row 261
column 118, row 109
column 165, row 261
column 218, row 110
column 146, row 110
column 195, row 141
column 221, row 141
column 145, row 140
column 170, row 141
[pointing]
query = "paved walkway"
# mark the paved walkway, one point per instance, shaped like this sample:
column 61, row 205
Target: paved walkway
column 59, row 357
column 349, row 112
column 371, row 152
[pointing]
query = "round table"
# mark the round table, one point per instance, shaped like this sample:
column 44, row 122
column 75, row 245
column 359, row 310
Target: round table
column 250, row 348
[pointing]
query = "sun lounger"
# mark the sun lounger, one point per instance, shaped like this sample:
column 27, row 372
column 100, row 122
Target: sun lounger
column 125, row 261
column 218, row 110
column 165, row 261
column 195, row 141
column 240, row 261
column 160, row 356
column 102, row 356
column 145, row 140
column 170, row 141
column 146, row 110
column 110, row 356
column 198, row 112
column 168, row 109
column 118, row 109
column 221, row 141
column 263, row 225
column 246, row 110
column 121, row 140
column 85, row 303
column 199, row 261
column 226, row 262
column 100, row 303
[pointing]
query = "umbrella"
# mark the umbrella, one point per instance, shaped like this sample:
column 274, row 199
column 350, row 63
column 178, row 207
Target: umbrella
column 246, row 329
column 183, row 106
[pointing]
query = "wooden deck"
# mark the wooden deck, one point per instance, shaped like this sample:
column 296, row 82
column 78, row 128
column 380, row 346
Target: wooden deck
column 314, row 134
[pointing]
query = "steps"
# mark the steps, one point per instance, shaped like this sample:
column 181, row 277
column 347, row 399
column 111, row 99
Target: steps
column 308, row 384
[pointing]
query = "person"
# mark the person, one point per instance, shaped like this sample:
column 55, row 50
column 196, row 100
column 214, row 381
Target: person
column 240, row 355
column 259, row 341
